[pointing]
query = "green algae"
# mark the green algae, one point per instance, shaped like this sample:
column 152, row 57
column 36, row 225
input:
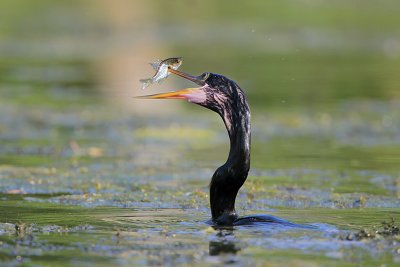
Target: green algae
column 387, row 229
column 85, row 182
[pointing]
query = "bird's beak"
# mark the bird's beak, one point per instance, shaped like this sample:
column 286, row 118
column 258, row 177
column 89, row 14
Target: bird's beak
column 195, row 95
column 181, row 94
column 196, row 79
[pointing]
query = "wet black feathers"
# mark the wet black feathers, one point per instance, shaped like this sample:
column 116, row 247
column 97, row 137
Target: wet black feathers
column 225, row 97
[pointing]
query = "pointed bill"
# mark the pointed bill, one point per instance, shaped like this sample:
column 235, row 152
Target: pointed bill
column 196, row 79
column 195, row 95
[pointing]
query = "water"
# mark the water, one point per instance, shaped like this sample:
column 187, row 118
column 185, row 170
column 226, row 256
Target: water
column 90, row 176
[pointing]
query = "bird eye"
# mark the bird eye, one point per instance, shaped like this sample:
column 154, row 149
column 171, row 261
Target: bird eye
column 205, row 76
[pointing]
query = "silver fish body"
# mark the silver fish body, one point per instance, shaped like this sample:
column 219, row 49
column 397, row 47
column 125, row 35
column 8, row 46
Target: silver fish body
column 161, row 67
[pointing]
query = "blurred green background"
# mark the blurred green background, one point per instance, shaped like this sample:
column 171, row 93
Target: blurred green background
column 282, row 53
column 98, row 176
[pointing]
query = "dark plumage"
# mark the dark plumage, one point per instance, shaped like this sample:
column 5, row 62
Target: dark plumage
column 225, row 97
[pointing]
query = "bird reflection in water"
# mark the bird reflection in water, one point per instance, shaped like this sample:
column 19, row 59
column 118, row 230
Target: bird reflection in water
column 225, row 243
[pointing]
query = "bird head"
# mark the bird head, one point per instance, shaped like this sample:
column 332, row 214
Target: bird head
column 215, row 92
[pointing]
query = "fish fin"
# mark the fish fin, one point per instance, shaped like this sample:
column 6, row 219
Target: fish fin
column 146, row 82
column 155, row 64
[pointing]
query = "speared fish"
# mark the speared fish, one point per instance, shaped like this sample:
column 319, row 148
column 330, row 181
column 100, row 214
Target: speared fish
column 161, row 67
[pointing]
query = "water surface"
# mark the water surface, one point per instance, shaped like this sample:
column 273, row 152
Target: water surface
column 89, row 176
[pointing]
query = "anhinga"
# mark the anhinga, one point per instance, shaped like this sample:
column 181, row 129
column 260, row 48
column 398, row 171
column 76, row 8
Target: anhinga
column 225, row 97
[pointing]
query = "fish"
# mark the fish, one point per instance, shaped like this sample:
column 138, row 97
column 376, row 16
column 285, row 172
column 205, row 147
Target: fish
column 161, row 67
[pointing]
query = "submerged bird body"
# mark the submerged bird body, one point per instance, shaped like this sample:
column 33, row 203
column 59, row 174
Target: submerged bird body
column 161, row 67
column 225, row 97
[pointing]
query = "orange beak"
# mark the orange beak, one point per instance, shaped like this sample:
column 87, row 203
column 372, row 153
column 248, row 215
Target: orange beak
column 181, row 94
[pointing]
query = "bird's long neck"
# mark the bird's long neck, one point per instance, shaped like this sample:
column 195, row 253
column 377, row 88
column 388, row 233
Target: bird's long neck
column 228, row 178
column 239, row 135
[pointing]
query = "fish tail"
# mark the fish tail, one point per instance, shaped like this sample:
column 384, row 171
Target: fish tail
column 146, row 82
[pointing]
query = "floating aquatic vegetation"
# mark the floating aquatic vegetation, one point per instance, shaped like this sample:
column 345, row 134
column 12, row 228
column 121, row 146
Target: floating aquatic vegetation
column 387, row 229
